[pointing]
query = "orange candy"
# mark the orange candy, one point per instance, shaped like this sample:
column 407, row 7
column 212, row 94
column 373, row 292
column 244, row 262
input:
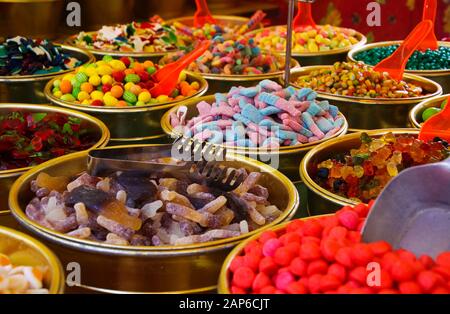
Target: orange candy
column 136, row 89
column 87, row 87
column 116, row 91
column 129, row 71
column 65, row 87
column 138, row 67
column 148, row 64
column 122, row 103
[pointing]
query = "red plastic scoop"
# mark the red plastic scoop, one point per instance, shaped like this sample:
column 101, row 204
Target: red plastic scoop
column 167, row 77
column 429, row 13
column 304, row 17
column 437, row 126
column 202, row 15
column 395, row 64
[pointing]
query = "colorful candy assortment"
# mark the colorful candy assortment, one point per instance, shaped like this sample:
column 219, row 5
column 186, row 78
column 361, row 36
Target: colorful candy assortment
column 326, row 255
column 25, row 56
column 233, row 57
column 262, row 116
column 150, row 36
column 141, row 210
column 431, row 111
column 117, row 83
column 358, row 80
column 308, row 39
column 362, row 174
column 28, row 139
column 21, row 279
column 428, row 60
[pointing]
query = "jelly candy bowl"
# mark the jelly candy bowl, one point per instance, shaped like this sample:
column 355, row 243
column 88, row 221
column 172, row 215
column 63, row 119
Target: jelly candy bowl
column 289, row 156
column 442, row 77
column 415, row 115
column 375, row 113
column 322, row 201
column 24, row 250
column 182, row 269
column 317, row 58
column 28, row 88
column 146, row 119
column 97, row 128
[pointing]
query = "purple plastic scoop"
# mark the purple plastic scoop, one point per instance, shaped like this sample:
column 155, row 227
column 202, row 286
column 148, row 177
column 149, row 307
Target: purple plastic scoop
column 413, row 211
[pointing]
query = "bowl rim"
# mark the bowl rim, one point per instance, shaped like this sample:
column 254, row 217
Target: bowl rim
column 379, row 101
column 91, row 109
column 352, row 53
column 104, row 138
column 151, row 251
column 360, row 36
column 324, row 193
column 418, row 109
column 42, row 77
column 169, row 130
column 57, row 282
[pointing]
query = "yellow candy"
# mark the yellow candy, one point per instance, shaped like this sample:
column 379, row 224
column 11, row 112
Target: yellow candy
column 95, row 80
column 101, row 63
column 86, row 102
column 129, row 85
column 90, row 72
column 97, row 95
column 149, row 49
column 68, row 77
column 195, row 85
column 110, row 101
column 107, row 79
column 117, row 65
column 104, row 70
column 182, row 76
column 58, row 94
column 144, row 97
column 163, row 98
column 82, row 96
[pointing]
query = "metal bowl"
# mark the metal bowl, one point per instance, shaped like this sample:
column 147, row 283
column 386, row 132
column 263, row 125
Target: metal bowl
column 415, row 115
column 322, row 57
column 27, row 251
column 375, row 113
column 30, row 88
column 220, row 19
column 172, row 269
column 220, row 83
column 442, row 77
column 320, row 200
column 7, row 177
column 289, row 156
column 131, row 124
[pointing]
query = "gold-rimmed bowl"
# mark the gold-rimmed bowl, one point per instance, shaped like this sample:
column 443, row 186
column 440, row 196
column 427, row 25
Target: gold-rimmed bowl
column 322, row 57
column 288, row 157
column 230, row 20
column 117, row 269
column 7, row 177
column 30, row 88
column 24, row 250
column 320, row 200
column 442, row 77
column 130, row 125
column 415, row 115
column 375, row 113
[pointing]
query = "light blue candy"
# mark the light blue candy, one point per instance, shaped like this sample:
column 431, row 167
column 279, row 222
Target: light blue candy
column 269, row 98
column 216, row 138
column 339, row 123
column 325, row 105
column 307, row 119
column 250, row 112
column 269, row 140
column 188, row 133
column 220, row 98
column 268, row 84
column 312, row 96
column 314, row 109
column 250, row 91
column 207, row 126
column 239, row 117
column 245, row 143
column 269, row 111
column 303, row 93
column 286, row 135
column 333, row 111
column 290, row 90
column 270, row 124
column 242, row 103
column 324, row 125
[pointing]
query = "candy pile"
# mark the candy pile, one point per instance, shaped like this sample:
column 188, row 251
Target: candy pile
column 151, row 36
column 28, row 139
column 363, row 173
column 429, row 60
column 431, row 111
column 21, row 279
column 309, row 39
column 262, row 116
column 131, row 209
column 25, row 56
column 117, row 83
column 358, row 80
column 326, row 255
column 233, row 57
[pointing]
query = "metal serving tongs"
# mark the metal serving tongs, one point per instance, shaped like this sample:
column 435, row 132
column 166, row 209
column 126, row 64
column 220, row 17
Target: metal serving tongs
column 185, row 158
column 413, row 211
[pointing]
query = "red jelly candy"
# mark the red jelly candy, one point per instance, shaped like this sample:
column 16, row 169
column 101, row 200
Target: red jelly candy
column 440, row 290
column 312, row 228
column 329, row 282
column 283, row 256
column 348, row 219
column 283, row 280
column 311, row 240
column 443, row 271
column 106, row 88
column 359, row 274
column 310, row 251
column 97, row 103
column 118, row 76
column 362, row 210
column 329, row 222
column 317, row 267
column 361, row 254
column 354, row 236
column 388, row 260
column 385, row 280
column 338, row 271
column 237, row 290
column 126, row 61
column 402, row 271
column 428, row 280
column 237, row 262
column 314, row 283
column 270, row 247
column 261, row 281
column 250, row 246
column 292, row 237
column 268, row 290
column 268, row 266
column 252, row 261
column 294, row 248
column 409, row 287
column 380, row 248
column 329, row 248
column 343, row 257
column 338, row 233
column 267, row 235
column 388, row 291
column 296, row 288
column 444, row 260
column 295, row 225
column 406, row 255
column 298, row 267
column 426, row 261
column 243, row 277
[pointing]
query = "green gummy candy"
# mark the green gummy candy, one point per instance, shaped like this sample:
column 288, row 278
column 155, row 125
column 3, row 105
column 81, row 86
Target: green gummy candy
column 429, row 112
column 130, row 97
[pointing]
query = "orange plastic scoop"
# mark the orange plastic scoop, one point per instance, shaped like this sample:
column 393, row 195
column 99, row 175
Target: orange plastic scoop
column 304, row 17
column 395, row 64
column 437, row 126
column 429, row 13
column 167, row 77
column 202, row 15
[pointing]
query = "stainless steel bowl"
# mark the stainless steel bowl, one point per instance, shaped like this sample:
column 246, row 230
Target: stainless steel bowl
column 415, row 115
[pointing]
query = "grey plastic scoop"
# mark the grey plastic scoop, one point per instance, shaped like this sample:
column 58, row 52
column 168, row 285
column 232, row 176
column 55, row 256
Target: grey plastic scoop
column 413, row 211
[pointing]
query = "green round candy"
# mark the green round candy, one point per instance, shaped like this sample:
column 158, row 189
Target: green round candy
column 129, row 97
column 107, row 58
column 134, row 78
column 151, row 70
column 81, row 77
column 429, row 112
column 444, row 103
column 76, row 91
